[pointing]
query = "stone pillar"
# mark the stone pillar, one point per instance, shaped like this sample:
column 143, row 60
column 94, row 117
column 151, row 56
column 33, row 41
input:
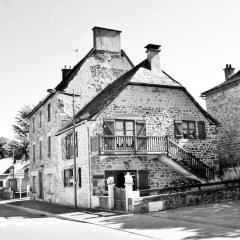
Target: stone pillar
column 111, row 185
column 128, row 188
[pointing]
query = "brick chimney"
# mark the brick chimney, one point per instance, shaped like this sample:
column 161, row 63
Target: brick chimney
column 153, row 58
column 65, row 71
column 229, row 71
column 106, row 39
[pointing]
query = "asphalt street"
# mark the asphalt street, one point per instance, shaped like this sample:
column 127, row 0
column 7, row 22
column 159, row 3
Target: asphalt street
column 21, row 225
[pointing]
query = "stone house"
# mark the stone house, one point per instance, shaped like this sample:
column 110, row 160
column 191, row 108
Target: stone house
column 140, row 121
column 222, row 102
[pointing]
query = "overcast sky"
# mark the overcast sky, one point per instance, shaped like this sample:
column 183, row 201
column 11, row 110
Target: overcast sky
column 37, row 38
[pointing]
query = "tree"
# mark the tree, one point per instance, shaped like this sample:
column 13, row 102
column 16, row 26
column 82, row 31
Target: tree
column 5, row 148
column 21, row 129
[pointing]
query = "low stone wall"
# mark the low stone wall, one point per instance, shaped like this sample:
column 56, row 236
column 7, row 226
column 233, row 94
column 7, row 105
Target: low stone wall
column 184, row 199
column 6, row 194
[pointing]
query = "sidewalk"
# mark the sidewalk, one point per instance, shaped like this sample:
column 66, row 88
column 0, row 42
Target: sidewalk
column 219, row 221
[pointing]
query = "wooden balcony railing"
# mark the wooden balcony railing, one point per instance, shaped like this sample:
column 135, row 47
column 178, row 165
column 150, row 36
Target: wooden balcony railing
column 109, row 144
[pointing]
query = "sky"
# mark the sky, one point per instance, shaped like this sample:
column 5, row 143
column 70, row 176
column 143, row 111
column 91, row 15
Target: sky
column 38, row 37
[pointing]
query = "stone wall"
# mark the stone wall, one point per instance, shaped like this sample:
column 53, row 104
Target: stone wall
column 160, row 107
column 223, row 104
column 184, row 199
column 159, row 175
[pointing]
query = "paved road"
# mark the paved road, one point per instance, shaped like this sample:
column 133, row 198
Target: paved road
column 20, row 225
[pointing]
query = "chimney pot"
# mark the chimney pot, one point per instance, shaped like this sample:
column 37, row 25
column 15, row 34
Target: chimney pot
column 229, row 71
column 153, row 58
column 65, row 71
column 106, row 39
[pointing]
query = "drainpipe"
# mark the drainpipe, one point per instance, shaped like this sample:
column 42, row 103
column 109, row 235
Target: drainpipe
column 89, row 164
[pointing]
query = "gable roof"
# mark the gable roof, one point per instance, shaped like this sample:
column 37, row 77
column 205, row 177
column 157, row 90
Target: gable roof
column 108, row 94
column 233, row 79
column 5, row 164
column 69, row 76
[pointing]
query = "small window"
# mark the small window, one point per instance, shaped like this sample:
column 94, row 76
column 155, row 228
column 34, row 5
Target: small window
column 49, row 112
column 185, row 129
column 68, row 178
column 40, row 119
column 143, row 179
column 49, row 146
column 189, row 129
column 40, row 150
column 34, row 184
column 79, row 178
column 1, row 183
column 33, row 124
column 34, row 153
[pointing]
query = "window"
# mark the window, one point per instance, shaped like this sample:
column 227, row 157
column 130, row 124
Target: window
column 50, row 183
column 40, row 150
column 34, row 184
column 79, row 178
column 49, row 146
column 124, row 128
column 34, row 153
column 33, row 124
column 1, row 183
column 40, row 119
column 187, row 129
column 68, row 178
column 49, row 112
column 69, row 145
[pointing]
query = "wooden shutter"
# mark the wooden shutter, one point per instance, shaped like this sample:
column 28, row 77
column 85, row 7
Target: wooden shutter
column 79, row 178
column 178, row 129
column 64, row 178
column 143, row 179
column 140, row 128
column 108, row 127
column 201, row 130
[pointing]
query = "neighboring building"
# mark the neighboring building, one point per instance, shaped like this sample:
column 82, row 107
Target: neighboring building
column 129, row 119
column 223, row 103
column 14, row 176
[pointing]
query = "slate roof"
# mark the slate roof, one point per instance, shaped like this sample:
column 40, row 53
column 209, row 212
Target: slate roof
column 69, row 76
column 233, row 79
column 108, row 94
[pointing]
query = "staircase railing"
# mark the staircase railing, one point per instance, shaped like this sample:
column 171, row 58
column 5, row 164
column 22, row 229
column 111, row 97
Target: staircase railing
column 196, row 166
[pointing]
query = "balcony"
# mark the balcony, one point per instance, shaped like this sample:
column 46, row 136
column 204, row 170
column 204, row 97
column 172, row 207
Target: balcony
column 108, row 145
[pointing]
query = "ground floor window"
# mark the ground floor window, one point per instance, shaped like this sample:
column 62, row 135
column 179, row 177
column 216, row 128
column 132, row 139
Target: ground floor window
column 1, row 183
column 68, row 177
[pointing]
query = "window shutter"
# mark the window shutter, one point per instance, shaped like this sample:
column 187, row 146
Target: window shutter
column 108, row 127
column 64, row 178
column 140, row 128
column 178, row 129
column 143, row 179
column 201, row 130
column 79, row 178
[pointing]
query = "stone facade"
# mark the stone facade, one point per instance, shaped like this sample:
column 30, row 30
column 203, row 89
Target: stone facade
column 223, row 104
column 97, row 70
column 159, row 107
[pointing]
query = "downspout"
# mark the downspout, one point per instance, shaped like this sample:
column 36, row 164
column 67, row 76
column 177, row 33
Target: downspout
column 89, row 164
